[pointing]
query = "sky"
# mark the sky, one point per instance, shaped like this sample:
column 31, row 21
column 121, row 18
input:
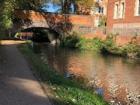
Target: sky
column 50, row 7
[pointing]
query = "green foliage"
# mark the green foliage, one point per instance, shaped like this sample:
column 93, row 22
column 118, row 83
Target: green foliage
column 71, row 41
column 102, row 21
column 85, row 44
column 85, row 3
column 66, row 91
column 17, row 35
column 90, row 44
column 129, row 50
column 110, row 47
column 7, row 8
column 107, row 46
column 77, row 42
column 29, row 4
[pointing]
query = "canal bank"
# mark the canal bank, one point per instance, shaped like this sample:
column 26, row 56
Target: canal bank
column 107, row 46
column 66, row 91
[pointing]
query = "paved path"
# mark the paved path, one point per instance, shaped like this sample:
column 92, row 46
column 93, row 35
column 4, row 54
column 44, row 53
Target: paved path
column 17, row 84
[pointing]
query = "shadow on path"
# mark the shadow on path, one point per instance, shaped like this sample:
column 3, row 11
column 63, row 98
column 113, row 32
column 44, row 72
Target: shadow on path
column 17, row 83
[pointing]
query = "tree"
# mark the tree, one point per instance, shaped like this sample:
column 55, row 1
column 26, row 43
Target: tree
column 85, row 3
column 7, row 8
column 29, row 4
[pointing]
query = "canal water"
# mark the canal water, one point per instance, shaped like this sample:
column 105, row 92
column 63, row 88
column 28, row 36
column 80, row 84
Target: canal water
column 117, row 79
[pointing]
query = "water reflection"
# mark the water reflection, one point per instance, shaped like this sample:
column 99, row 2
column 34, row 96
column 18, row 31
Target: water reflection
column 115, row 78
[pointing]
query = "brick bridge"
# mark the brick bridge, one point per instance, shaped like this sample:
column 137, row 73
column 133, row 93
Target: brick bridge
column 80, row 23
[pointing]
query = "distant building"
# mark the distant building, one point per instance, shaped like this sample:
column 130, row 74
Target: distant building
column 99, row 9
column 123, row 17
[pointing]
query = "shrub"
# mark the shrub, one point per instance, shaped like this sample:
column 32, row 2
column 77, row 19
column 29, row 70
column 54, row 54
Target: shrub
column 91, row 44
column 109, row 45
column 17, row 35
column 131, row 50
column 77, row 42
column 71, row 41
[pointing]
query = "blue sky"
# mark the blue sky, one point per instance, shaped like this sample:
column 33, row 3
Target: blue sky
column 50, row 7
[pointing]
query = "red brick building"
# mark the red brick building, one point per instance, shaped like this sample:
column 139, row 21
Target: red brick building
column 123, row 17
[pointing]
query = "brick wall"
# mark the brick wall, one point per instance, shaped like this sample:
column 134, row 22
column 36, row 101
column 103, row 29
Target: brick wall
column 130, row 24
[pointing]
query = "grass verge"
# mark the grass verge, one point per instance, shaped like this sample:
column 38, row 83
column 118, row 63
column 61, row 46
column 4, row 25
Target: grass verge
column 65, row 91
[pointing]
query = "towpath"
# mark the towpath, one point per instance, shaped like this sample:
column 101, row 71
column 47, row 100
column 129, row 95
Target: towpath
column 18, row 86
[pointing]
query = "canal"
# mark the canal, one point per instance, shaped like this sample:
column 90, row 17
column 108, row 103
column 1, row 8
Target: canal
column 117, row 79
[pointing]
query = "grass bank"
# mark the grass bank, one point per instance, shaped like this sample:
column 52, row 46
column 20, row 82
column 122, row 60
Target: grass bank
column 65, row 91
column 108, row 46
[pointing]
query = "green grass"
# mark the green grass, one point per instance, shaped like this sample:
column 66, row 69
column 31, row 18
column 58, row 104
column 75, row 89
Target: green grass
column 65, row 91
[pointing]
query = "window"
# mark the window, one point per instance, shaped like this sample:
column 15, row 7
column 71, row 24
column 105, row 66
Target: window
column 137, row 8
column 101, row 10
column 116, row 10
column 119, row 9
column 122, row 10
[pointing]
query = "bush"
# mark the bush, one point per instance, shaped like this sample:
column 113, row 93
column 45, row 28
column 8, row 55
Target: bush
column 77, row 42
column 91, row 44
column 131, row 50
column 109, row 45
column 17, row 35
column 71, row 41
